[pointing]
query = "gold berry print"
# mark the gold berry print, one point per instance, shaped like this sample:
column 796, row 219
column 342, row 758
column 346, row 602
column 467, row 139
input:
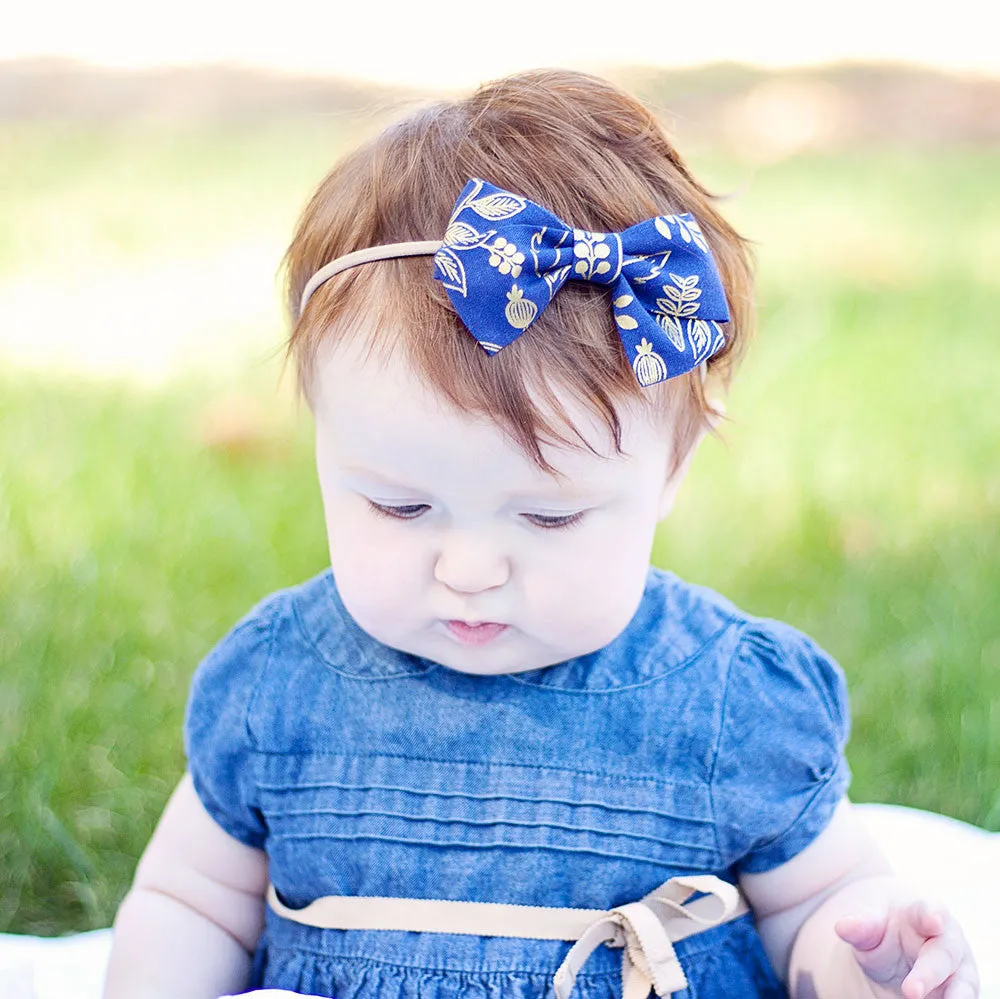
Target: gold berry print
column 505, row 257
column 591, row 251
column 520, row 311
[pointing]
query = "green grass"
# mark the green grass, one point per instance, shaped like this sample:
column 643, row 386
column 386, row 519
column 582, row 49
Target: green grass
column 857, row 494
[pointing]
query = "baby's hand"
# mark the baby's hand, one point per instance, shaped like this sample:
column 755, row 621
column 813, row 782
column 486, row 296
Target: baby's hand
column 914, row 951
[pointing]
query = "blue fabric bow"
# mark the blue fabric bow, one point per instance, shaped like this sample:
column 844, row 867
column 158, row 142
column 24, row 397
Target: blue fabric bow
column 503, row 258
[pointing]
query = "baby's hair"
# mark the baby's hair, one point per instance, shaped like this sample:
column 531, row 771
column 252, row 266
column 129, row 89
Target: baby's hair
column 573, row 143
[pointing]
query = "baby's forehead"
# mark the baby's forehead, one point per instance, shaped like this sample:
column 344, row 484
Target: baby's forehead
column 374, row 407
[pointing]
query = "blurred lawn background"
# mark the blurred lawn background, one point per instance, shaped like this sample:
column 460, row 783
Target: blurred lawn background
column 156, row 476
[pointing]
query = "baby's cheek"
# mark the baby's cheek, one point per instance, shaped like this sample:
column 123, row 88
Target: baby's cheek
column 603, row 588
column 367, row 575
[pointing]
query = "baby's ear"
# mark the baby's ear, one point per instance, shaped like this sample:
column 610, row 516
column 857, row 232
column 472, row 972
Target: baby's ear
column 715, row 416
column 674, row 480
column 670, row 487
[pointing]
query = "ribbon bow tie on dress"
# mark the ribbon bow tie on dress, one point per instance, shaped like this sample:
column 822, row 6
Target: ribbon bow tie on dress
column 503, row 258
column 647, row 930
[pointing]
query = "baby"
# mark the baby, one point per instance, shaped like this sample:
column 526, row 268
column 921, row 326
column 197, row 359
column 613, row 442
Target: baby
column 491, row 752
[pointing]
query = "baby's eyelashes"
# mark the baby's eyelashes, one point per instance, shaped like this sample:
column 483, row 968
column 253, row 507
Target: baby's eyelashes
column 411, row 511
column 552, row 520
column 404, row 511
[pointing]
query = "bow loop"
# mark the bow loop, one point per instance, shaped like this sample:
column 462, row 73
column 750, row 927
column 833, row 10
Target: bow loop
column 503, row 259
column 647, row 929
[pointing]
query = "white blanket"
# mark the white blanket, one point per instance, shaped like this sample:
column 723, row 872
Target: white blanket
column 946, row 859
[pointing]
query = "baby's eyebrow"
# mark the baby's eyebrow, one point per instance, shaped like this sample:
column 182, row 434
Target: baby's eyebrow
column 372, row 476
column 544, row 494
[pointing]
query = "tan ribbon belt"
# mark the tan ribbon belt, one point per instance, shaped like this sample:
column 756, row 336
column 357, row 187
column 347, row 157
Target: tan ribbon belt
column 645, row 930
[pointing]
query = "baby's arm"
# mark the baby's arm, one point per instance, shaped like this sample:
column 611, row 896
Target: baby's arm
column 188, row 926
column 841, row 888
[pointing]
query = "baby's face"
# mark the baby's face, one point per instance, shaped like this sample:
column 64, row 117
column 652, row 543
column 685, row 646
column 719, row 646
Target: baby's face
column 449, row 543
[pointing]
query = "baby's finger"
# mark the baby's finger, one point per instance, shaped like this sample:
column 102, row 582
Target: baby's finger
column 935, row 964
column 862, row 930
column 961, row 989
column 965, row 984
column 927, row 919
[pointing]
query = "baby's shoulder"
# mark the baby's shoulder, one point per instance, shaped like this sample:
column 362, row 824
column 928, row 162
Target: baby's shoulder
column 688, row 637
column 769, row 675
column 706, row 624
column 282, row 670
column 237, row 659
column 295, row 629
column 749, row 667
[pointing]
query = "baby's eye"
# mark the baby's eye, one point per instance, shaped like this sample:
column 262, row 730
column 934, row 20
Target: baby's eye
column 407, row 511
column 551, row 520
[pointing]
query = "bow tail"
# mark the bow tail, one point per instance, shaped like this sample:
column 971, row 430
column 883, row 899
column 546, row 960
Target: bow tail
column 649, row 960
column 606, row 930
column 635, row 983
column 648, row 957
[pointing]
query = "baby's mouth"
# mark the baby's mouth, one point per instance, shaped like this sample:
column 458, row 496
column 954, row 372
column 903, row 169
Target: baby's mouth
column 480, row 633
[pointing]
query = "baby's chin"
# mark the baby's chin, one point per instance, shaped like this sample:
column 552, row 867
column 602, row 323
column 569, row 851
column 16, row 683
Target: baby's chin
column 509, row 655
column 484, row 661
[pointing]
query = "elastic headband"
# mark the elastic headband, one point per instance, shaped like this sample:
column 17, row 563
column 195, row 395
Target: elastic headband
column 666, row 292
column 416, row 248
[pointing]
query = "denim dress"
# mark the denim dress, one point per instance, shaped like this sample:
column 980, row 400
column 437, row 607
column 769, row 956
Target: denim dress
column 701, row 740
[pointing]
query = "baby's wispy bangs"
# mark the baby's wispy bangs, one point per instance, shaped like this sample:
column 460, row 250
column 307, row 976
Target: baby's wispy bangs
column 575, row 144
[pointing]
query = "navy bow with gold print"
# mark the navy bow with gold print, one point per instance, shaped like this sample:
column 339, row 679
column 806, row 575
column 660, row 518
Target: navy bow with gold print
column 504, row 257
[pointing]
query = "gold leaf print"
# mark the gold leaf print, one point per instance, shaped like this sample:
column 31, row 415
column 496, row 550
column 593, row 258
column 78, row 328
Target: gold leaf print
column 698, row 336
column 622, row 300
column 451, row 267
column 626, row 322
column 477, row 186
column 682, row 300
column 554, row 279
column 673, row 305
column 688, row 285
column 498, row 206
column 534, row 244
column 462, row 236
column 672, row 327
column 687, row 229
column 654, row 269
column 705, row 337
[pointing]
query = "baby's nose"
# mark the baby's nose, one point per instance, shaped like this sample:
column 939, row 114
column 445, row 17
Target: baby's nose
column 468, row 564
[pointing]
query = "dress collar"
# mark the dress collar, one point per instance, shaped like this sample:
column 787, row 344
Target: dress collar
column 341, row 642
column 674, row 624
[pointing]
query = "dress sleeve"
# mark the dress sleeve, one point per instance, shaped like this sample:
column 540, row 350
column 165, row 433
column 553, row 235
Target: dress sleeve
column 217, row 737
column 780, row 769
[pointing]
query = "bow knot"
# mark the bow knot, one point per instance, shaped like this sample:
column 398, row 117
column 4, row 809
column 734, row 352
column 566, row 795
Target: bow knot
column 597, row 257
column 503, row 258
column 647, row 930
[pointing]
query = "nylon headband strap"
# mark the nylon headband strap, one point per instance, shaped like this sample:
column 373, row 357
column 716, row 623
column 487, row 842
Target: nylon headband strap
column 417, row 248
column 389, row 251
